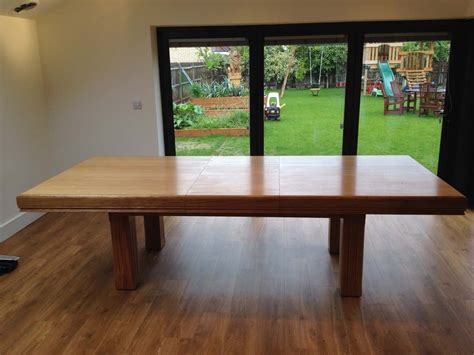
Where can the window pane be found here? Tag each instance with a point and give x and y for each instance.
(403, 91)
(211, 98)
(304, 98)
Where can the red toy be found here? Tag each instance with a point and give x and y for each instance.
(373, 84)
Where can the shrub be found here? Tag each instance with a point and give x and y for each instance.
(184, 115)
(215, 62)
(218, 89)
(197, 90)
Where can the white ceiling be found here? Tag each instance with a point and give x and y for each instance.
(7, 6)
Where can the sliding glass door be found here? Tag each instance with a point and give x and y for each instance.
(323, 89)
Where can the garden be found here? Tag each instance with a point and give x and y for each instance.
(312, 126)
(215, 119)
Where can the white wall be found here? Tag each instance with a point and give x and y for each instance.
(470, 9)
(98, 57)
(23, 120)
(96, 63)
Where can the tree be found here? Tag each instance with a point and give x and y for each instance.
(214, 62)
(334, 59)
(218, 62)
(244, 60)
(275, 63)
(289, 68)
(278, 57)
(441, 49)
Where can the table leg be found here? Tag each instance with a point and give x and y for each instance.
(352, 255)
(334, 235)
(124, 244)
(154, 232)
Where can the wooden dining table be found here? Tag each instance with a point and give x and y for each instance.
(342, 188)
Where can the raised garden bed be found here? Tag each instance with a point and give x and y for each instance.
(203, 132)
(235, 102)
(220, 106)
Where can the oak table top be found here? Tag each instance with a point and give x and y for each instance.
(240, 186)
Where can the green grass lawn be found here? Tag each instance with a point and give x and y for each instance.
(311, 126)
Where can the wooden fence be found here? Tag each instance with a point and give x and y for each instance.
(440, 73)
(184, 74)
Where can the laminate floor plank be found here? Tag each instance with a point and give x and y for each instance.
(240, 286)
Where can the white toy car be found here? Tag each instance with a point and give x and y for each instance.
(272, 107)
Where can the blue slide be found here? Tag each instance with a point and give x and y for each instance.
(387, 77)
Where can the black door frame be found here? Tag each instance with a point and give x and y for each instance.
(354, 32)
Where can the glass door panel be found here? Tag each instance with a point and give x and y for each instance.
(304, 97)
(402, 101)
(210, 85)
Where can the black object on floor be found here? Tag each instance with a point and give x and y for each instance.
(8, 263)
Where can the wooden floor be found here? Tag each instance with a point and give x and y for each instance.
(240, 285)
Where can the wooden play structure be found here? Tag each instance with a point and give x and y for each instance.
(375, 53)
(415, 66)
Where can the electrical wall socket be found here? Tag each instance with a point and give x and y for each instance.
(137, 105)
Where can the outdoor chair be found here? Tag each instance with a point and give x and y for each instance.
(394, 103)
(429, 99)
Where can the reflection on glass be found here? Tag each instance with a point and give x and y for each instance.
(211, 100)
(403, 92)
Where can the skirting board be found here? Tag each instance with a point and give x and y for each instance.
(17, 223)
